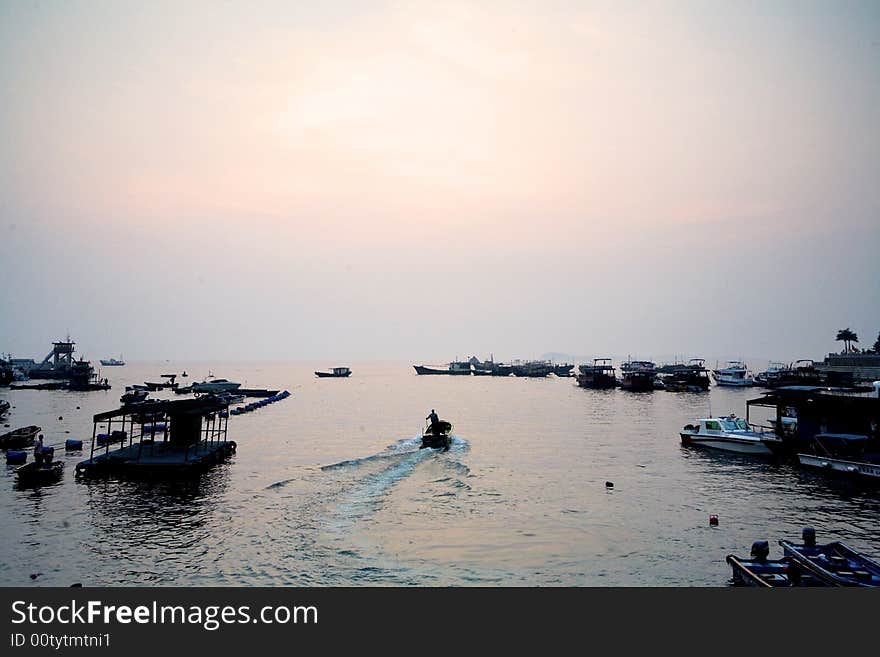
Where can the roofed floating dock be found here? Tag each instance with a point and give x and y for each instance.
(164, 438)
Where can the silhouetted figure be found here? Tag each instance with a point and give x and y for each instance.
(435, 422)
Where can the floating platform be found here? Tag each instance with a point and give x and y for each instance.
(190, 438)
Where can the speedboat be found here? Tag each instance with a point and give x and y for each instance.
(437, 440)
(835, 564)
(730, 434)
(336, 372)
(734, 375)
(215, 385)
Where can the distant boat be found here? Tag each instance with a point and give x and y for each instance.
(638, 375)
(336, 372)
(773, 372)
(215, 385)
(734, 375)
(110, 362)
(693, 377)
(455, 368)
(133, 397)
(599, 375)
(439, 440)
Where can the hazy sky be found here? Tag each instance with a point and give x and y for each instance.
(424, 180)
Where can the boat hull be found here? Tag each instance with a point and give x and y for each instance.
(864, 469)
(330, 375)
(33, 474)
(835, 564)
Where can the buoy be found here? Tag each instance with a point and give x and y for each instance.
(60, 418)
(16, 456)
(609, 484)
(713, 520)
(77, 408)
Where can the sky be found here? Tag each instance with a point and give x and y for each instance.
(421, 180)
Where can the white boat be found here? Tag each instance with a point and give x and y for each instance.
(215, 385)
(774, 371)
(736, 374)
(730, 434)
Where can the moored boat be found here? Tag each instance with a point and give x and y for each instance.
(599, 375)
(22, 437)
(134, 397)
(336, 372)
(563, 369)
(835, 563)
(638, 375)
(690, 377)
(730, 434)
(843, 454)
(735, 375)
(772, 373)
(215, 385)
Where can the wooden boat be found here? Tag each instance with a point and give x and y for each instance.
(439, 440)
(336, 372)
(835, 564)
(23, 437)
(33, 474)
(761, 572)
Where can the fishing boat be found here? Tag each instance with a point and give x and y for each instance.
(23, 437)
(533, 369)
(34, 474)
(112, 362)
(842, 453)
(730, 434)
(638, 375)
(599, 375)
(215, 385)
(454, 368)
(761, 572)
(690, 377)
(439, 440)
(336, 372)
(835, 564)
(735, 375)
(563, 369)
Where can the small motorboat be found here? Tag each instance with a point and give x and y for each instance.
(759, 571)
(133, 397)
(730, 434)
(439, 440)
(34, 474)
(835, 564)
(23, 437)
(336, 372)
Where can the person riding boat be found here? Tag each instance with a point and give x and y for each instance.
(435, 422)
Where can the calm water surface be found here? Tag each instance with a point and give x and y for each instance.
(329, 488)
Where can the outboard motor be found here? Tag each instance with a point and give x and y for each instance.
(809, 536)
(760, 550)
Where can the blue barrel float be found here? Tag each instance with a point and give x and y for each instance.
(16, 456)
(72, 445)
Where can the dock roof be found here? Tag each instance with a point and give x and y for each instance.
(203, 405)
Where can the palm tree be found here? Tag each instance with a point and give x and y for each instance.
(847, 337)
(877, 345)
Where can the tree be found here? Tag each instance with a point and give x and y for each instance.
(846, 336)
(877, 345)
